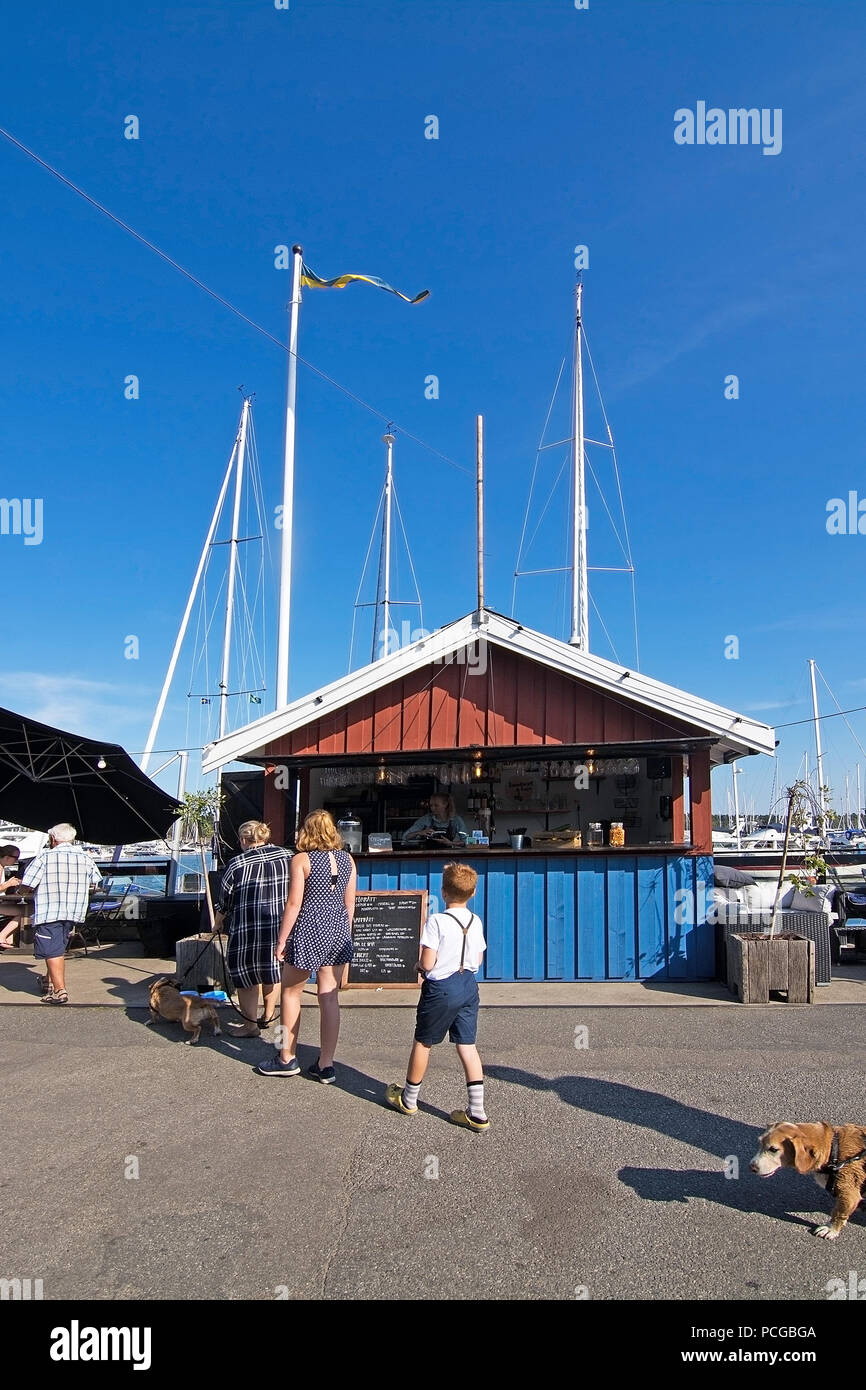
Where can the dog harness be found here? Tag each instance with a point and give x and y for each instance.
(835, 1164)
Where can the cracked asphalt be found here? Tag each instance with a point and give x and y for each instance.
(603, 1171)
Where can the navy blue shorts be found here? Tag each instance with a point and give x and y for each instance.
(448, 1006)
(50, 939)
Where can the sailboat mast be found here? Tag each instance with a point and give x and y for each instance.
(859, 802)
(818, 752)
(285, 601)
(184, 622)
(233, 565)
(382, 632)
(579, 590)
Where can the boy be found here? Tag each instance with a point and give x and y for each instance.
(452, 946)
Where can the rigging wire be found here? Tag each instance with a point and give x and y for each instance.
(532, 485)
(227, 304)
(841, 711)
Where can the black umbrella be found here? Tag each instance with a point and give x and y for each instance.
(48, 776)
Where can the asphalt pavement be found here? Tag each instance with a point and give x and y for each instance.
(134, 1167)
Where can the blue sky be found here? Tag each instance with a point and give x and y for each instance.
(260, 127)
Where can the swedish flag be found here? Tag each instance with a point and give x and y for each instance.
(314, 282)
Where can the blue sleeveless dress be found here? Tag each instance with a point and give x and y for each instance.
(321, 934)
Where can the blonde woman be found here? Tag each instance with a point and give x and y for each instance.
(315, 935)
(252, 896)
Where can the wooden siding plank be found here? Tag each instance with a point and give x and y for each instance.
(561, 916)
(500, 876)
(652, 918)
(591, 919)
(681, 915)
(530, 877)
(704, 957)
(701, 803)
(621, 919)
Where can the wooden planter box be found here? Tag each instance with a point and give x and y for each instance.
(759, 963)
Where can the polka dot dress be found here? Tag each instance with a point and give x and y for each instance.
(321, 934)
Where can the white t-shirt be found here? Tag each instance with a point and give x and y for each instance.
(443, 935)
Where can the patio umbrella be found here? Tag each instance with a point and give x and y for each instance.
(48, 776)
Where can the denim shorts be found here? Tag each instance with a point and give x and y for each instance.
(448, 1006)
(50, 939)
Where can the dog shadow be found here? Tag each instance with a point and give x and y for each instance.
(719, 1135)
(772, 1197)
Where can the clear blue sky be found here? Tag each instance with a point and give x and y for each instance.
(259, 127)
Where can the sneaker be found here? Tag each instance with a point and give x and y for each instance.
(394, 1098)
(326, 1075)
(274, 1066)
(462, 1117)
(57, 996)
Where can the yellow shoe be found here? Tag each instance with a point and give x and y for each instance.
(394, 1098)
(462, 1117)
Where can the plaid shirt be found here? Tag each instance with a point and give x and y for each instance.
(62, 877)
(255, 888)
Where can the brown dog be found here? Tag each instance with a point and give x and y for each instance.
(191, 1011)
(834, 1155)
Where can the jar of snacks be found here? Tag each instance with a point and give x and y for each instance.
(617, 834)
(594, 835)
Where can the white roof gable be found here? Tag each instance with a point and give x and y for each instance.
(738, 733)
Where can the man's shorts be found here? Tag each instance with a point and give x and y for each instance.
(449, 1005)
(50, 939)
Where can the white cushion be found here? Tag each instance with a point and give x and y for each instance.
(819, 900)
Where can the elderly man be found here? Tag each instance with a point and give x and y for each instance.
(60, 878)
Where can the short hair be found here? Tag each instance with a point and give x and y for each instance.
(447, 798)
(459, 881)
(319, 832)
(7, 850)
(64, 833)
(256, 831)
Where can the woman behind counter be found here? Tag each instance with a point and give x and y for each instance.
(440, 825)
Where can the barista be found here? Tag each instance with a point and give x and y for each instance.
(440, 826)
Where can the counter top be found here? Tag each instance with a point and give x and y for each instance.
(543, 851)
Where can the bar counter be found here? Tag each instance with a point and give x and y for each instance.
(557, 913)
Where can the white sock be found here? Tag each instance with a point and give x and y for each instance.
(410, 1095)
(476, 1100)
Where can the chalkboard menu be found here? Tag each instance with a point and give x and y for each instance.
(386, 933)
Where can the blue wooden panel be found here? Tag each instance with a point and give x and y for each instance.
(591, 918)
(681, 915)
(500, 919)
(621, 919)
(530, 918)
(704, 961)
(651, 918)
(479, 905)
(561, 905)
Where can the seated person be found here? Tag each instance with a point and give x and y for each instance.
(440, 826)
(9, 880)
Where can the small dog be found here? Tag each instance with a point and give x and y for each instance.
(834, 1155)
(166, 1001)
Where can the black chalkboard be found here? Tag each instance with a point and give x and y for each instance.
(386, 934)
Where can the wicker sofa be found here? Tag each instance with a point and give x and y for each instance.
(750, 909)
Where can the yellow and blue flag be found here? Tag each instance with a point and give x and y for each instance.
(314, 282)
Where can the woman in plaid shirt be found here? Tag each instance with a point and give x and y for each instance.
(252, 896)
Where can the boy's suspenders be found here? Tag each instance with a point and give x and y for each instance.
(465, 931)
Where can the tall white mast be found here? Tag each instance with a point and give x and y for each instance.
(233, 565)
(579, 590)
(184, 622)
(382, 630)
(735, 773)
(819, 754)
(285, 604)
(388, 440)
(859, 802)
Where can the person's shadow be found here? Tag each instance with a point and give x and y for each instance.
(731, 1141)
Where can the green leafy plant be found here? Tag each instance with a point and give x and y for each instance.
(199, 818)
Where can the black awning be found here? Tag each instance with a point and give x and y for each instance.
(48, 776)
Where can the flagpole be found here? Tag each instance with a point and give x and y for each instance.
(285, 601)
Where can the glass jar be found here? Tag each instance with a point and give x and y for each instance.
(594, 834)
(617, 834)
